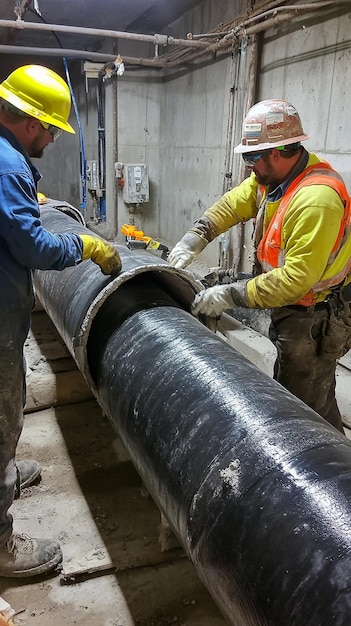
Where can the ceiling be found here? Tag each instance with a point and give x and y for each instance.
(134, 16)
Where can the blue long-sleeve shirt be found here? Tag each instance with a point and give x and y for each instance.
(25, 245)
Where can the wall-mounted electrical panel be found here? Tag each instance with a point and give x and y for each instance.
(92, 175)
(136, 183)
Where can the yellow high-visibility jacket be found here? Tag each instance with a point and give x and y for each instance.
(310, 228)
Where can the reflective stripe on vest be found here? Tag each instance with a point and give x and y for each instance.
(270, 251)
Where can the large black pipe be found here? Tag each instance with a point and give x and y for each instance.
(256, 486)
(73, 297)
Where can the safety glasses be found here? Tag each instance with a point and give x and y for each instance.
(251, 159)
(53, 130)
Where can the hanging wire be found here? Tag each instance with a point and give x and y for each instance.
(83, 162)
(18, 9)
(36, 7)
(101, 149)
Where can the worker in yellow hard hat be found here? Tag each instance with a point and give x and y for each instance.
(40, 93)
(41, 197)
(35, 105)
(303, 252)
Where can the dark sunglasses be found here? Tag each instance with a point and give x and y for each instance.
(251, 159)
(53, 130)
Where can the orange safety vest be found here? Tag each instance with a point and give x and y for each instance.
(270, 252)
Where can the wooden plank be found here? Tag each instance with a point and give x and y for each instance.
(97, 560)
(63, 365)
(44, 391)
(167, 538)
(54, 350)
(120, 556)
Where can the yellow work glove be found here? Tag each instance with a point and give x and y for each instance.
(102, 253)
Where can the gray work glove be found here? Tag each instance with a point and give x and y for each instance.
(186, 250)
(214, 300)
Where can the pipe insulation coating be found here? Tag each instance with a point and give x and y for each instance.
(73, 297)
(255, 485)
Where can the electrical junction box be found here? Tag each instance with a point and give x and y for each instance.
(136, 183)
(92, 175)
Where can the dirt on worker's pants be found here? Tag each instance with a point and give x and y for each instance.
(121, 564)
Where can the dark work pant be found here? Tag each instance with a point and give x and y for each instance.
(308, 343)
(14, 327)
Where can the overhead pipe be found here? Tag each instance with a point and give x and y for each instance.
(227, 41)
(157, 39)
(271, 10)
(99, 57)
(164, 61)
(256, 486)
(294, 8)
(241, 30)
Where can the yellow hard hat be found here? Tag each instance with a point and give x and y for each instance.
(269, 124)
(39, 92)
(42, 199)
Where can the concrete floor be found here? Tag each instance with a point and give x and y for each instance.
(92, 499)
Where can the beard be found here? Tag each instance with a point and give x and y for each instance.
(37, 154)
(36, 150)
(269, 177)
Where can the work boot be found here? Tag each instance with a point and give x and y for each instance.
(29, 470)
(23, 556)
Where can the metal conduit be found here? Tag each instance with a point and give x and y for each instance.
(157, 39)
(101, 57)
(256, 486)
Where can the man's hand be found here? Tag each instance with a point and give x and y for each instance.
(214, 300)
(186, 250)
(102, 253)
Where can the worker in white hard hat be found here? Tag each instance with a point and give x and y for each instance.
(303, 253)
(35, 105)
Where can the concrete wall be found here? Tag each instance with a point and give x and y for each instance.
(177, 122)
(59, 167)
(309, 63)
(139, 109)
(195, 127)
